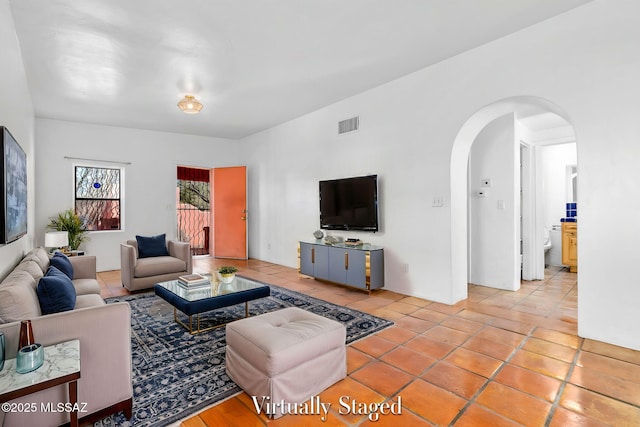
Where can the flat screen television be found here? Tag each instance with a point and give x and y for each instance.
(349, 203)
(14, 184)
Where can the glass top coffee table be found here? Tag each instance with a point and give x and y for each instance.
(192, 301)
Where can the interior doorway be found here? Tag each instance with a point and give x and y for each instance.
(522, 107)
(511, 198)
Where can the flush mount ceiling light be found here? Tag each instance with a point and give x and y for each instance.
(190, 105)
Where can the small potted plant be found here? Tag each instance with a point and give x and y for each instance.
(227, 273)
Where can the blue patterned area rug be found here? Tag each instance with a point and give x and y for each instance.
(176, 374)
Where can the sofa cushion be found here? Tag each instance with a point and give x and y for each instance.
(146, 267)
(152, 246)
(23, 278)
(38, 261)
(91, 300)
(18, 298)
(86, 286)
(40, 255)
(62, 263)
(30, 267)
(56, 292)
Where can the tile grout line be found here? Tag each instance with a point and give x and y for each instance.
(563, 385)
(426, 369)
(599, 393)
(571, 368)
(503, 363)
(491, 379)
(430, 366)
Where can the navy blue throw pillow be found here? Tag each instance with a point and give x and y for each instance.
(56, 292)
(152, 246)
(62, 263)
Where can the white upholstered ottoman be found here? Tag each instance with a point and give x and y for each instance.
(288, 355)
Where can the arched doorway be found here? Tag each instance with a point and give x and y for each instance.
(459, 185)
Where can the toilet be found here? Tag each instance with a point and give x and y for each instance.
(547, 240)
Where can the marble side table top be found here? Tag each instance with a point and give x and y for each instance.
(60, 360)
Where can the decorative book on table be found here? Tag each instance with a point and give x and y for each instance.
(193, 280)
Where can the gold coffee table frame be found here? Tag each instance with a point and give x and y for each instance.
(199, 330)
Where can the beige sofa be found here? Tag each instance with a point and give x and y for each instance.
(142, 273)
(104, 332)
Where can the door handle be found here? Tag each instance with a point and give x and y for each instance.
(313, 255)
(244, 218)
(346, 260)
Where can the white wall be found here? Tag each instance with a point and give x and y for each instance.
(16, 113)
(392, 142)
(149, 181)
(585, 61)
(494, 234)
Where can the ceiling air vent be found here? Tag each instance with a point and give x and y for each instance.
(348, 125)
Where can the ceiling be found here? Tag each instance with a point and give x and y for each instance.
(254, 64)
(542, 120)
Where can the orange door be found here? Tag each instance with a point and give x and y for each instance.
(230, 212)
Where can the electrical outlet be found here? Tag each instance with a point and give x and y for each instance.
(437, 202)
(405, 268)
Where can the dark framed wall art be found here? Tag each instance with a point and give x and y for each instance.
(14, 185)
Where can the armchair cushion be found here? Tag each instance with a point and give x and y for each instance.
(154, 266)
(152, 246)
(62, 263)
(56, 292)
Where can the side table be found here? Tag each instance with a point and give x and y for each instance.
(61, 366)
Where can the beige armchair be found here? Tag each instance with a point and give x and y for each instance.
(142, 273)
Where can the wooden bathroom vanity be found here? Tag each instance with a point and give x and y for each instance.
(570, 245)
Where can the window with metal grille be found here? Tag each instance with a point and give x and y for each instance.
(194, 216)
(97, 197)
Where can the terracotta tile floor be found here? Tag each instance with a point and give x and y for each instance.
(500, 358)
